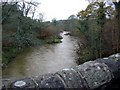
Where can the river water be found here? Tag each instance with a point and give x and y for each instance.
(40, 60)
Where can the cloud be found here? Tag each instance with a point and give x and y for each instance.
(61, 9)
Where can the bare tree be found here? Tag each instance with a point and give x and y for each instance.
(27, 7)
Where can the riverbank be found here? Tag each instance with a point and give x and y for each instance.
(9, 53)
(43, 59)
(86, 48)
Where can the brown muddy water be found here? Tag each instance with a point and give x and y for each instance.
(40, 60)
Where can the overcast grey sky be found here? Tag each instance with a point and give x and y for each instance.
(60, 9)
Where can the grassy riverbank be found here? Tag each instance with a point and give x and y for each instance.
(9, 53)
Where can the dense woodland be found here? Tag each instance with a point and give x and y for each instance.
(97, 27)
(100, 29)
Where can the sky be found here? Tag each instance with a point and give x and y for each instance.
(60, 9)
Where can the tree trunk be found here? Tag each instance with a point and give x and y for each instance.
(117, 7)
(100, 42)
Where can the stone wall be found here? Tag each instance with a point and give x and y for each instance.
(99, 73)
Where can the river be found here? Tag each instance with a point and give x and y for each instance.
(40, 60)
